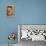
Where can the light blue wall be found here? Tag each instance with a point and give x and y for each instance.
(31, 11)
(7, 24)
(27, 12)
